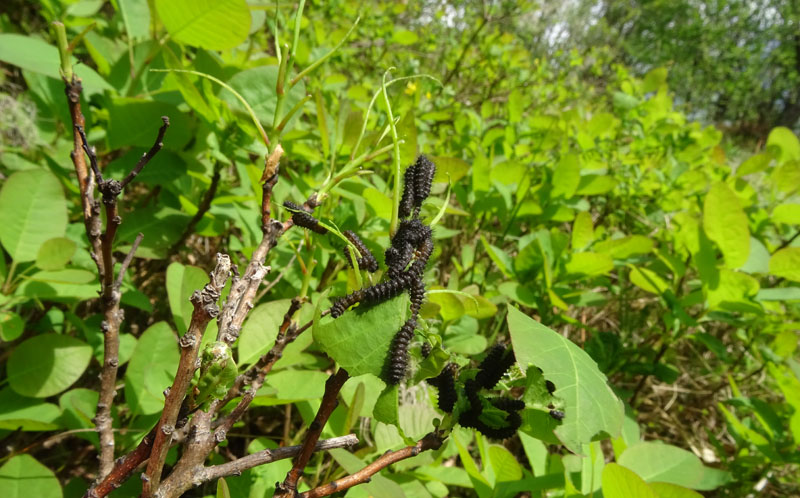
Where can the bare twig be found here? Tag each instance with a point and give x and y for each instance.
(430, 442)
(202, 209)
(288, 489)
(205, 308)
(127, 261)
(147, 156)
(236, 467)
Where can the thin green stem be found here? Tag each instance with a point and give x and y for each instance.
(292, 112)
(279, 88)
(63, 50)
(396, 143)
(325, 57)
(227, 87)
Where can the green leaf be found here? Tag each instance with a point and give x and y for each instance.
(503, 261)
(733, 291)
(40, 57)
(24, 477)
(648, 280)
(582, 230)
(786, 142)
(504, 464)
(32, 211)
(359, 341)
(786, 177)
(55, 253)
(595, 185)
(260, 330)
(386, 407)
(211, 24)
(588, 264)
(136, 122)
(786, 264)
(258, 86)
(11, 326)
(788, 214)
(625, 247)
(449, 169)
(620, 482)
(47, 364)
(222, 489)
(590, 405)
(754, 164)
(567, 176)
(182, 282)
(404, 37)
(658, 462)
(79, 406)
(151, 369)
(66, 284)
(667, 490)
(725, 223)
(27, 414)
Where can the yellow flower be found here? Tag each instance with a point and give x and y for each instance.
(411, 88)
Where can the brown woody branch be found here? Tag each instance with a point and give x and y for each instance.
(288, 488)
(430, 442)
(102, 247)
(238, 466)
(205, 308)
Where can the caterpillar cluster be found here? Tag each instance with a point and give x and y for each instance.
(303, 218)
(491, 369)
(408, 254)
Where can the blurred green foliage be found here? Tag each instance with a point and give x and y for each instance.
(572, 191)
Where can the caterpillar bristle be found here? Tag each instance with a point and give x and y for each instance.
(494, 366)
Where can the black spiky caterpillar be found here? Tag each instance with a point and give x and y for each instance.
(494, 365)
(367, 261)
(398, 352)
(445, 383)
(417, 182)
(304, 219)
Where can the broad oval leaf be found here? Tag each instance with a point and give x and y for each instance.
(788, 214)
(658, 462)
(786, 264)
(590, 405)
(182, 281)
(32, 211)
(38, 56)
(786, 141)
(23, 477)
(589, 264)
(27, 414)
(259, 330)
(151, 369)
(211, 24)
(47, 364)
(620, 482)
(567, 176)
(359, 341)
(725, 223)
(257, 87)
(648, 280)
(55, 253)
